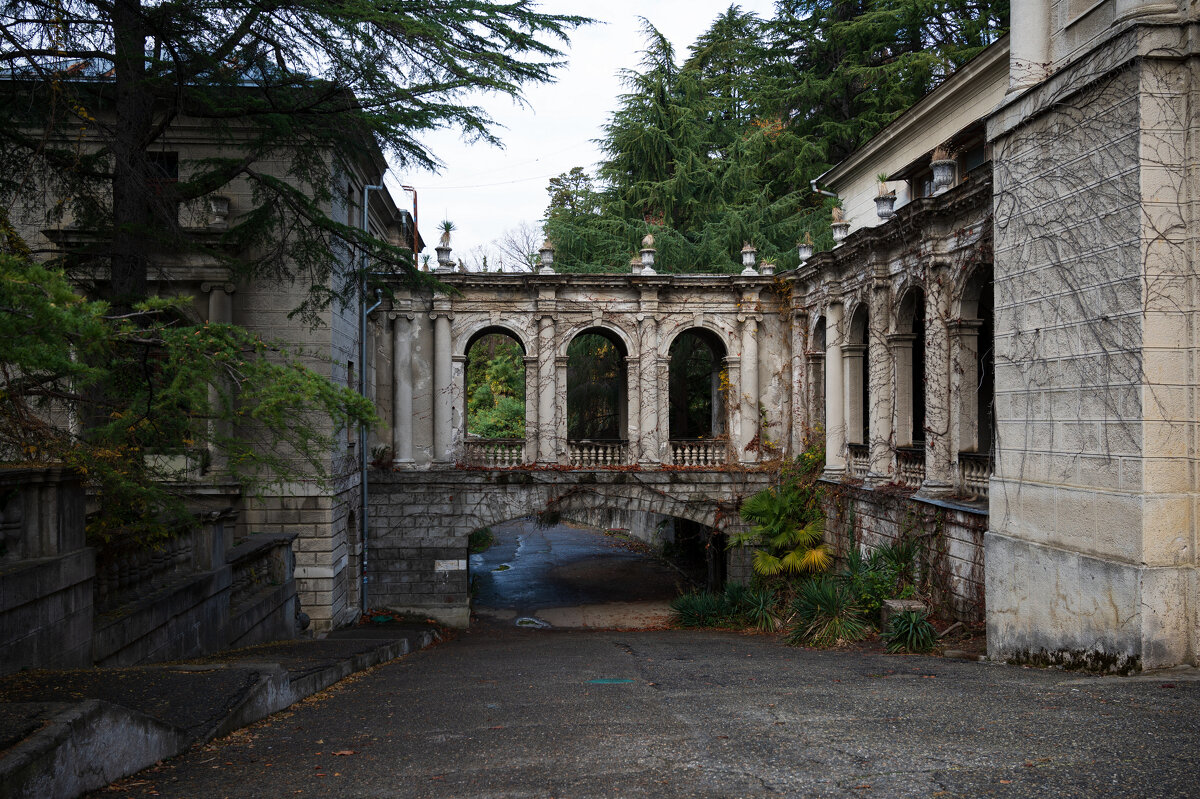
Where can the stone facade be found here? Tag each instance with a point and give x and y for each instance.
(1091, 554)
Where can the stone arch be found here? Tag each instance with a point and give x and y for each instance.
(707, 420)
(908, 358)
(482, 327)
(628, 341)
(724, 333)
(857, 368)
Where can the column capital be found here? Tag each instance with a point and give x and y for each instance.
(441, 313)
(900, 339)
(397, 315)
(853, 350)
(208, 287)
(965, 327)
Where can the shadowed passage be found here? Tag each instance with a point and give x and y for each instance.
(569, 575)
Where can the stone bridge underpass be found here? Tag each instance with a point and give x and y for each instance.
(668, 448)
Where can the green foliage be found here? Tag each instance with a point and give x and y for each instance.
(496, 388)
(480, 540)
(719, 149)
(887, 573)
(595, 376)
(737, 607)
(824, 614)
(910, 631)
(787, 527)
(135, 401)
(324, 86)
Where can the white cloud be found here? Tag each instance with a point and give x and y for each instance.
(485, 190)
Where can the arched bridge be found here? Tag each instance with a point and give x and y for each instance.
(684, 390)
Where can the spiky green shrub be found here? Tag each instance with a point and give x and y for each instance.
(758, 609)
(702, 609)
(824, 613)
(910, 631)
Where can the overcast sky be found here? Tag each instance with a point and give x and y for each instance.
(485, 190)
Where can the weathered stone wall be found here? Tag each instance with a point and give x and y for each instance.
(950, 537)
(1091, 555)
(420, 521)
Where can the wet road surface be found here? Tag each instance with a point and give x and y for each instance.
(507, 712)
(569, 576)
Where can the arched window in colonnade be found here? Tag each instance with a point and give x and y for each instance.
(854, 354)
(495, 392)
(816, 376)
(696, 400)
(975, 369)
(597, 399)
(908, 356)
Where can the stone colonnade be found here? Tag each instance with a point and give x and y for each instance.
(738, 317)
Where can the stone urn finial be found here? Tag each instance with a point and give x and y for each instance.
(547, 256)
(648, 253)
(749, 259)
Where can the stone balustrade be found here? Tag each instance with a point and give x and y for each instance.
(127, 576)
(495, 453)
(597, 453)
(860, 460)
(974, 474)
(910, 466)
(711, 452)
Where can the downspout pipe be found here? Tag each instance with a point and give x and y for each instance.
(363, 313)
(813, 184)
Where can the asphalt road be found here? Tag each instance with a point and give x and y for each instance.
(506, 712)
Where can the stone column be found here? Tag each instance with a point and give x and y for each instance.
(938, 457)
(854, 413)
(800, 386)
(733, 408)
(442, 388)
(748, 389)
(964, 375)
(546, 393)
(458, 408)
(402, 390)
(880, 377)
(220, 311)
(532, 400)
(648, 430)
(562, 443)
(633, 420)
(835, 423)
(1029, 44)
(663, 412)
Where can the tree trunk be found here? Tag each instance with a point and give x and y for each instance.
(131, 186)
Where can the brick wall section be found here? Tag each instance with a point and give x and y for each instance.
(950, 561)
(420, 521)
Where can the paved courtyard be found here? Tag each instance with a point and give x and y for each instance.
(506, 712)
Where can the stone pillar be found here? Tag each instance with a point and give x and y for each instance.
(964, 376)
(733, 408)
(458, 408)
(220, 312)
(546, 393)
(835, 424)
(402, 390)
(648, 428)
(800, 385)
(532, 400)
(1029, 44)
(442, 389)
(633, 419)
(938, 458)
(663, 413)
(882, 387)
(748, 389)
(562, 444)
(854, 413)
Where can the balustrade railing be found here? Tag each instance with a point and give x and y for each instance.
(127, 576)
(860, 460)
(910, 466)
(596, 453)
(495, 452)
(708, 452)
(974, 471)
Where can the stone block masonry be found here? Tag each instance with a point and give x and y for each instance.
(420, 521)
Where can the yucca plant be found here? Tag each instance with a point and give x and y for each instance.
(758, 609)
(824, 613)
(787, 528)
(910, 631)
(701, 609)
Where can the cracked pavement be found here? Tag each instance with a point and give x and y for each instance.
(506, 712)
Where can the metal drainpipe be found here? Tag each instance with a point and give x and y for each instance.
(363, 313)
(813, 185)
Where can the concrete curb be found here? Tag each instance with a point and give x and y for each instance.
(92, 743)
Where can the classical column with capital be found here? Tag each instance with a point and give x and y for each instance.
(443, 392)
(546, 394)
(938, 457)
(879, 375)
(748, 390)
(647, 390)
(220, 312)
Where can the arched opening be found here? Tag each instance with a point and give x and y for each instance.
(908, 359)
(854, 353)
(975, 369)
(816, 376)
(696, 403)
(597, 407)
(495, 392)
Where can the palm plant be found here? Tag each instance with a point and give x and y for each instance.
(824, 613)
(787, 531)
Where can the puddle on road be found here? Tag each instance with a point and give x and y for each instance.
(503, 567)
(609, 681)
